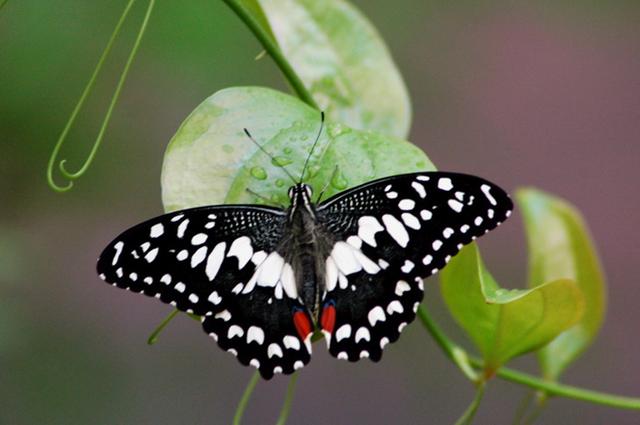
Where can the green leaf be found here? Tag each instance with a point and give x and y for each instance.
(506, 323)
(560, 247)
(211, 161)
(342, 60)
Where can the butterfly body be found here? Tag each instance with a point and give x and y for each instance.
(263, 279)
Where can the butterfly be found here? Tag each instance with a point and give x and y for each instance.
(264, 279)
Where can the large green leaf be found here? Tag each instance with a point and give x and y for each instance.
(342, 60)
(211, 161)
(506, 323)
(560, 247)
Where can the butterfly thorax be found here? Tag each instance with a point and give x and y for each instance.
(308, 247)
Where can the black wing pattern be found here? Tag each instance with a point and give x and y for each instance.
(221, 263)
(390, 234)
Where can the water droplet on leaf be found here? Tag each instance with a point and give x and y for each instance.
(258, 173)
(339, 181)
(281, 161)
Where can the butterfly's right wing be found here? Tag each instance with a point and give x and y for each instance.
(220, 263)
(390, 234)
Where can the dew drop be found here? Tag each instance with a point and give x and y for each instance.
(281, 161)
(339, 181)
(227, 148)
(288, 150)
(279, 182)
(258, 173)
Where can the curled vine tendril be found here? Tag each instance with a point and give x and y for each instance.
(87, 90)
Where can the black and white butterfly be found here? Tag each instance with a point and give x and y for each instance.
(264, 279)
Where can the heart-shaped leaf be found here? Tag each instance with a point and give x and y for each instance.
(342, 60)
(506, 323)
(560, 247)
(210, 160)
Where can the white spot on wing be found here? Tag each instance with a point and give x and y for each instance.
(363, 333)
(288, 281)
(394, 307)
(214, 298)
(368, 226)
(215, 260)
(418, 187)
(242, 250)
(406, 204)
(342, 254)
(270, 270)
(445, 184)
(402, 287)
(291, 342)
(151, 255)
(182, 227)
(407, 266)
(118, 247)
(224, 315)
(156, 230)
(376, 314)
(274, 350)
(455, 205)
(255, 334)
(199, 239)
(396, 229)
(199, 256)
(486, 189)
(343, 332)
(410, 220)
(234, 330)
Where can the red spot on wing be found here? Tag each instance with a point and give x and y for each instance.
(328, 319)
(302, 324)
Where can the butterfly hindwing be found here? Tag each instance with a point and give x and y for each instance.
(220, 263)
(390, 234)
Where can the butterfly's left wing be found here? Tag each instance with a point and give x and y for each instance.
(389, 234)
(221, 263)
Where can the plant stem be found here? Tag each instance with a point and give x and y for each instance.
(523, 407)
(274, 51)
(450, 349)
(470, 413)
(553, 388)
(286, 407)
(153, 338)
(242, 405)
(454, 352)
(2, 3)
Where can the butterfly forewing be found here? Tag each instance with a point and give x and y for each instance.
(390, 234)
(221, 263)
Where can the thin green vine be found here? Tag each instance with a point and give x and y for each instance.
(470, 412)
(274, 51)
(242, 405)
(551, 388)
(87, 90)
(153, 338)
(286, 407)
(2, 3)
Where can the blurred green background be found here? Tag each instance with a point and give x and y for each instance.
(523, 93)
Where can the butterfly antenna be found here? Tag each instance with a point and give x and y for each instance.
(313, 146)
(273, 159)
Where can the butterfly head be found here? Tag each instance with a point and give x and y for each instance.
(300, 197)
(300, 194)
